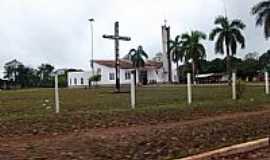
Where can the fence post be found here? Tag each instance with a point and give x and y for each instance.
(234, 86)
(189, 91)
(266, 82)
(57, 106)
(132, 91)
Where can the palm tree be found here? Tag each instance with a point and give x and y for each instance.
(194, 50)
(138, 58)
(177, 53)
(262, 10)
(228, 33)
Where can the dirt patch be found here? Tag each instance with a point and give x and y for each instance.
(160, 141)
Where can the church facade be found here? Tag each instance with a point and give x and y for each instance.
(151, 73)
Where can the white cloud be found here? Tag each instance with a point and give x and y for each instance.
(57, 31)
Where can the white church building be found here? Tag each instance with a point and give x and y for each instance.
(151, 73)
(154, 71)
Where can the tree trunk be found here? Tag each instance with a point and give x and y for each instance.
(177, 71)
(138, 75)
(135, 76)
(229, 67)
(194, 72)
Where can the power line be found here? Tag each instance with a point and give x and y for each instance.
(225, 8)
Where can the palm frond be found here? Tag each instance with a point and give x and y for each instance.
(261, 16)
(239, 37)
(260, 6)
(219, 46)
(238, 24)
(200, 35)
(221, 20)
(132, 51)
(144, 54)
(214, 33)
(267, 27)
(233, 46)
(185, 37)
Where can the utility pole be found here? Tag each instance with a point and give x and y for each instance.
(116, 37)
(92, 45)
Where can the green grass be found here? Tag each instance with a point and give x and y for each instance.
(23, 111)
(23, 103)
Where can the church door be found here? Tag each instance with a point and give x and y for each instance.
(143, 77)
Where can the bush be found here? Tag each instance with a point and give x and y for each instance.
(240, 88)
(95, 78)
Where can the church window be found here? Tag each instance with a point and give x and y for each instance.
(75, 81)
(127, 75)
(82, 81)
(111, 76)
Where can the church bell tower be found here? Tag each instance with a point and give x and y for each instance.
(166, 56)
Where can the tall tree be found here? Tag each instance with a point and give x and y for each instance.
(44, 72)
(193, 48)
(138, 58)
(264, 61)
(262, 11)
(26, 76)
(228, 33)
(177, 53)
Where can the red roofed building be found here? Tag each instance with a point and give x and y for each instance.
(152, 72)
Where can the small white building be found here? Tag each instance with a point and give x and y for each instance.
(78, 79)
(151, 73)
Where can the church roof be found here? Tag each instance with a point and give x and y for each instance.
(126, 64)
(13, 63)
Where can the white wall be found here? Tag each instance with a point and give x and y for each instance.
(105, 71)
(78, 75)
(156, 75)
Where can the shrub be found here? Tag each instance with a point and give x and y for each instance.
(240, 88)
(95, 78)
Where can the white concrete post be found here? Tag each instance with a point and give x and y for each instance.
(266, 83)
(132, 91)
(234, 86)
(57, 107)
(189, 91)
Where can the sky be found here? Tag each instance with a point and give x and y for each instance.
(58, 31)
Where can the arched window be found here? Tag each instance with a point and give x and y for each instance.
(82, 81)
(75, 81)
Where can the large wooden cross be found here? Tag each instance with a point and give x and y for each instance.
(116, 37)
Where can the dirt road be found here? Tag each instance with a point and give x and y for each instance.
(162, 141)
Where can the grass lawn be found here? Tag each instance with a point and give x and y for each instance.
(98, 124)
(88, 108)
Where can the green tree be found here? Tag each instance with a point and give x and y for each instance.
(262, 11)
(9, 72)
(193, 48)
(228, 33)
(26, 77)
(215, 66)
(264, 61)
(45, 71)
(138, 58)
(249, 67)
(177, 53)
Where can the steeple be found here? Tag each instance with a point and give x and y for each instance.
(167, 59)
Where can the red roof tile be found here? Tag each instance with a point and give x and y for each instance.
(126, 64)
